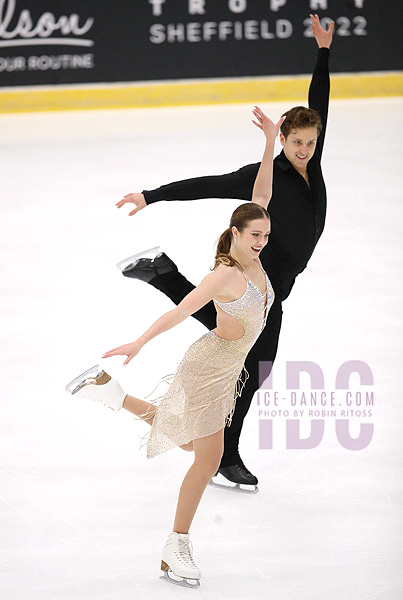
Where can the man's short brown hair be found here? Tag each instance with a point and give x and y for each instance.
(300, 117)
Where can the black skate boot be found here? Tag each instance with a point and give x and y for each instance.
(145, 269)
(238, 474)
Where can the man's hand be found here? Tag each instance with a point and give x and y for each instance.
(137, 199)
(323, 38)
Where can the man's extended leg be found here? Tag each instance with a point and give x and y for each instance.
(265, 349)
(162, 273)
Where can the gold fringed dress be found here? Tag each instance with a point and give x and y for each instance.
(202, 394)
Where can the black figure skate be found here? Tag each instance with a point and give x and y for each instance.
(146, 265)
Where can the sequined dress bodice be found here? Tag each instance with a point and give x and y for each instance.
(251, 309)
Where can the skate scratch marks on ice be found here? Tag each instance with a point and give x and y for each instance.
(54, 545)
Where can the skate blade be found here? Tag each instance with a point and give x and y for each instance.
(181, 582)
(78, 382)
(129, 261)
(235, 487)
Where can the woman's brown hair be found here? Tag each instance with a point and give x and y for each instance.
(241, 217)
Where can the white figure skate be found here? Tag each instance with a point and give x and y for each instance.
(96, 384)
(177, 559)
(131, 260)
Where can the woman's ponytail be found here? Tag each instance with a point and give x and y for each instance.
(222, 256)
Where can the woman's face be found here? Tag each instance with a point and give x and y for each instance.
(253, 238)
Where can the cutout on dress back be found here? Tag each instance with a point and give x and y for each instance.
(230, 317)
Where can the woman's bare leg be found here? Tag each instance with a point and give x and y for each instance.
(188, 447)
(141, 407)
(208, 452)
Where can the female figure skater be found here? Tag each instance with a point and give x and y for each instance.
(200, 400)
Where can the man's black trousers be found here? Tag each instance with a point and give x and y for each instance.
(176, 287)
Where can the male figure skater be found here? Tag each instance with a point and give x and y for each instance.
(297, 209)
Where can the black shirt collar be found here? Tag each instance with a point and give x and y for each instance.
(283, 162)
(285, 165)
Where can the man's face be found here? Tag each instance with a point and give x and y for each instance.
(299, 146)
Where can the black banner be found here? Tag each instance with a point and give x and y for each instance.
(47, 42)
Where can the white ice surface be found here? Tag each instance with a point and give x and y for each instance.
(83, 513)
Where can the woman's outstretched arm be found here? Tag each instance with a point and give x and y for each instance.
(262, 190)
(212, 285)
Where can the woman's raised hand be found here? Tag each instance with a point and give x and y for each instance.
(269, 128)
(129, 350)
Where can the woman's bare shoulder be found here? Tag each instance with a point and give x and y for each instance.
(229, 280)
(227, 273)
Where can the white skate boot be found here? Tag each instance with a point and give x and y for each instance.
(132, 260)
(177, 559)
(96, 384)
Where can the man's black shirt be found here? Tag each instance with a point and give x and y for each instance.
(297, 211)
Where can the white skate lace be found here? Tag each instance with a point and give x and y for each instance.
(185, 551)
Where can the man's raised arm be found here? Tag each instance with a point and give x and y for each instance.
(319, 89)
(238, 185)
